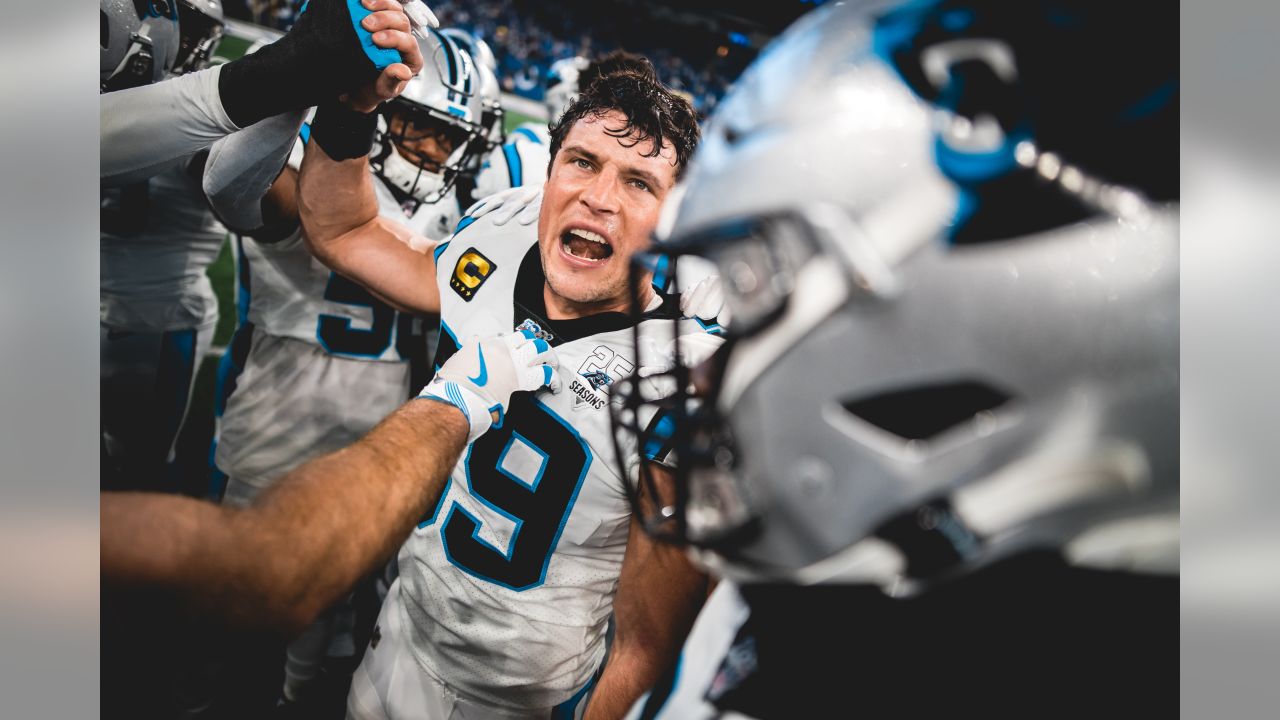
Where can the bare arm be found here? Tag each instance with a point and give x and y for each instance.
(307, 540)
(344, 231)
(659, 595)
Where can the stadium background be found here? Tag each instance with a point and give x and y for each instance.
(699, 47)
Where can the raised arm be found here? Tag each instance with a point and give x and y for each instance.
(343, 227)
(335, 49)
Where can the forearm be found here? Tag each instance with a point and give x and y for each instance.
(339, 517)
(659, 595)
(624, 681)
(335, 198)
(145, 129)
(305, 542)
(339, 213)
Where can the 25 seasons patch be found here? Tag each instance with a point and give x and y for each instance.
(469, 274)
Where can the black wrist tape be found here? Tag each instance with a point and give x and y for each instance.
(343, 133)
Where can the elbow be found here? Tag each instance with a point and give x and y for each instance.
(288, 603)
(290, 617)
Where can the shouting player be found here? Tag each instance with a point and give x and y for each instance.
(508, 582)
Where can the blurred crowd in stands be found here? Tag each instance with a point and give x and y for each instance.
(527, 36)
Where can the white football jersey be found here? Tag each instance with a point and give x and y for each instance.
(522, 160)
(508, 584)
(295, 295)
(327, 362)
(153, 280)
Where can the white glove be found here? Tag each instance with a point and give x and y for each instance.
(522, 203)
(420, 17)
(695, 347)
(704, 302)
(480, 378)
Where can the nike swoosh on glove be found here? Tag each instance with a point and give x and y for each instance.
(325, 54)
(522, 203)
(705, 304)
(481, 377)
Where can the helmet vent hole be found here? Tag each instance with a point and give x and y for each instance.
(104, 31)
(923, 412)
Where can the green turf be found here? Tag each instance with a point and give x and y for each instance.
(222, 275)
(232, 47)
(513, 118)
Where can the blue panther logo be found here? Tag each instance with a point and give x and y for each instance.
(597, 378)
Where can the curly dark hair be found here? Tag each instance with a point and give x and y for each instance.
(653, 112)
(615, 62)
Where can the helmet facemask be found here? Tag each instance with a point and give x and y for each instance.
(674, 415)
(423, 151)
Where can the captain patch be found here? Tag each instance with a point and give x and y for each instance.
(469, 274)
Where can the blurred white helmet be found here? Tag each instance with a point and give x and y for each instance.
(562, 85)
(138, 42)
(433, 132)
(952, 340)
(494, 116)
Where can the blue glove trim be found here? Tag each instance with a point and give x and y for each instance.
(380, 57)
(455, 396)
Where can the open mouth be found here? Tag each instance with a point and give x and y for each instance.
(586, 245)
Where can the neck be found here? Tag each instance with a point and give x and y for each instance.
(562, 308)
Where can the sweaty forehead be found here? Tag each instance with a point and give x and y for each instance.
(598, 133)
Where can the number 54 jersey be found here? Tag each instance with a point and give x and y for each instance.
(508, 583)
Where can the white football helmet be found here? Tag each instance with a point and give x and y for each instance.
(487, 66)
(952, 341)
(138, 42)
(474, 45)
(440, 113)
(562, 85)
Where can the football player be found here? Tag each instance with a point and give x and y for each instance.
(323, 357)
(158, 310)
(507, 584)
(939, 444)
(362, 51)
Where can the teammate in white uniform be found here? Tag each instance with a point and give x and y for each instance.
(507, 585)
(521, 161)
(327, 359)
(158, 310)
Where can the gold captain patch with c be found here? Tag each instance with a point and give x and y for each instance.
(469, 274)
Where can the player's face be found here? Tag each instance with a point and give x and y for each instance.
(425, 142)
(600, 205)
